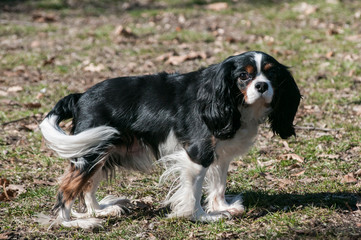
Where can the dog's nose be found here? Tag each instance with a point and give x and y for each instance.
(261, 87)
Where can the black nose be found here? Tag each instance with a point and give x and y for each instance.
(261, 87)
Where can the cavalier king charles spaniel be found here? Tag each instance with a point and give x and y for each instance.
(194, 123)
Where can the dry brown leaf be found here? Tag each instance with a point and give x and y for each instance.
(45, 183)
(32, 105)
(305, 8)
(30, 127)
(298, 173)
(329, 156)
(349, 178)
(353, 38)
(282, 183)
(357, 109)
(217, 6)
(49, 61)
(330, 54)
(164, 57)
(358, 173)
(267, 163)
(124, 31)
(287, 147)
(17, 187)
(15, 89)
(4, 236)
(94, 68)
(176, 60)
(43, 17)
(292, 156)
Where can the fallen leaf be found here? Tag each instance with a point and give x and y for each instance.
(292, 156)
(298, 173)
(353, 38)
(49, 61)
(176, 60)
(18, 188)
(217, 6)
(94, 68)
(4, 236)
(164, 56)
(329, 156)
(358, 173)
(349, 178)
(45, 183)
(4, 182)
(124, 31)
(282, 183)
(15, 89)
(287, 148)
(43, 17)
(32, 105)
(330, 54)
(305, 8)
(357, 109)
(3, 93)
(31, 127)
(267, 163)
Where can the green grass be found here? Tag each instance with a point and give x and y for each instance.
(282, 202)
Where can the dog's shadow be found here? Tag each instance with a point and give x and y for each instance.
(261, 203)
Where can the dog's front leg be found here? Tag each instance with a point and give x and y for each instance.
(185, 196)
(216, 180)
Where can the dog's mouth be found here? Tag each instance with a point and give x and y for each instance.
(261, 101)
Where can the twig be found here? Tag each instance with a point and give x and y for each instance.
(318, 129)
(6, 194)
(17, 120)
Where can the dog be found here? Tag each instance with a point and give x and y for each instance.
(195, 123)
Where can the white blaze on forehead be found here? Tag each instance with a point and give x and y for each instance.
(258, 60)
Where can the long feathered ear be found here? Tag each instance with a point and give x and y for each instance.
(217, 100)
(284, 104)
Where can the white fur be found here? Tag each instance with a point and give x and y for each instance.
(258, 59)
(78, 223)
(253, 94)
(226, 151)
(74, 146)
(184, 196)
(170, 145)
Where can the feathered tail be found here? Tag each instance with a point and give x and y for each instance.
(72, 146)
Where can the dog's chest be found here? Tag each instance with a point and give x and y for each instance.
(239, 144)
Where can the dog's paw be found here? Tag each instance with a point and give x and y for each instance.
(229, 203)
(212, 217)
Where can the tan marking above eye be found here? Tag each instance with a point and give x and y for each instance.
(249, 69)
(267, 66)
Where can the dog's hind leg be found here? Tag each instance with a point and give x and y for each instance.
(74, 181)
(109, 206)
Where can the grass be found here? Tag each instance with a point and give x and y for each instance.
(285, 198)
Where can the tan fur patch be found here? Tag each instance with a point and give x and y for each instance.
(268, 66)
(249, 69)
(75, 182)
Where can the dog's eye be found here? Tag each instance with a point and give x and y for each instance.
(244, 76)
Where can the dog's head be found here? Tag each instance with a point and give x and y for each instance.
(247, 80)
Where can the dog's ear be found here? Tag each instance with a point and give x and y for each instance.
(284, 104)
(217, 100)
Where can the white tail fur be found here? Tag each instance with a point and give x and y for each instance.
(74, 146)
